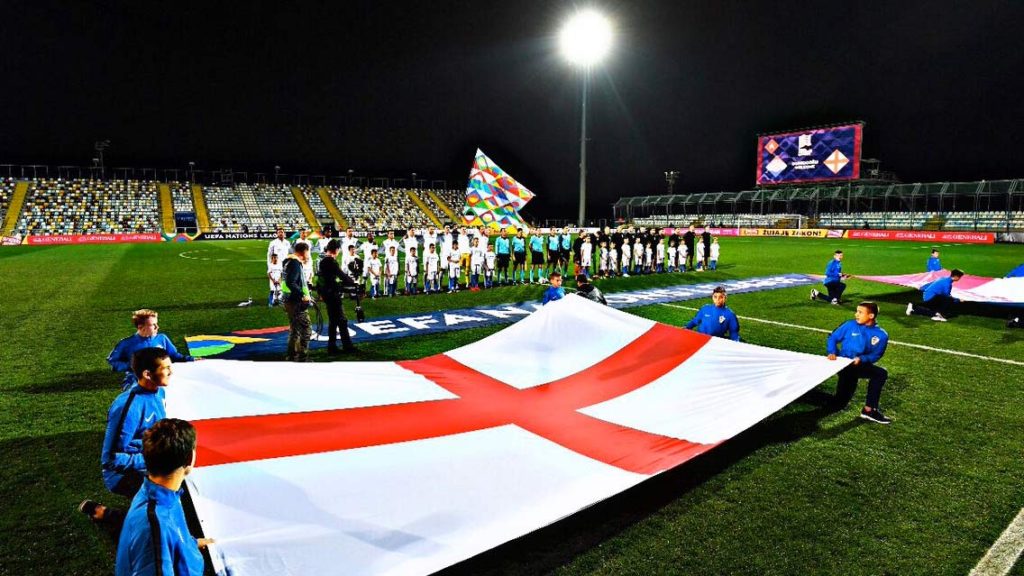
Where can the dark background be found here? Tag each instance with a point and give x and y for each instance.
(388, 88)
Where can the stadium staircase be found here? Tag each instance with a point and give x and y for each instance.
(167, 209)
(423, 206)
(202, 214)
(14, 208)
(443, 206)
(307, 210)
(332, 208)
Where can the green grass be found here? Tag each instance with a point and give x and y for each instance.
(802, 492)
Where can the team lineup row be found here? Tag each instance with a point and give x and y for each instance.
(470, 255)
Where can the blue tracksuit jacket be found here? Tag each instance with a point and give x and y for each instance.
(120, 358)
(122, 447)
(852, 340)
(715, 321)
(156, 508)
(940, 287)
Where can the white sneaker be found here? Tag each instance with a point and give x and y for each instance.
(835, 302)
(910, 308)
(814, 294)
(938, 318)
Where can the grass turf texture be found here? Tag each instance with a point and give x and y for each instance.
(803, 492)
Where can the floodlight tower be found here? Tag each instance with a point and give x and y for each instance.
(671, 176)
(585, 40)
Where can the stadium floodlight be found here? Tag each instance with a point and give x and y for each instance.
(585, 40)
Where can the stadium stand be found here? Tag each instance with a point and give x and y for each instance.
(452, 203)
(883, 220)
(724, 220)
(378, 208)
(181, 192)
(320, 210)
(252, 208)
(957, 221)
(56, 206)
(81, 206)
(6, 191)
(987, 220)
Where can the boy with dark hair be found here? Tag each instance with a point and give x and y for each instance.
(555, 291)
(833, 281)
(716, 319)
(933, 261)
(863, 340)
(938, 294)
(155, 538)
(129, 416)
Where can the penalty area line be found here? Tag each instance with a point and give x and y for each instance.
(1001, 557)
(891, 342)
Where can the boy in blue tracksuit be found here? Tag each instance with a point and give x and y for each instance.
(555, 291)
(833, 282)
(146, 336)
(155, 538)
(132, 413)
(938, 295)
(863, 341)
(716, 319)
(933, 262)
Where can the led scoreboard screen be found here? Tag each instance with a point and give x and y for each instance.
(810, 155)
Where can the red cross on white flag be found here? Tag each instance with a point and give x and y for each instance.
(410, 467)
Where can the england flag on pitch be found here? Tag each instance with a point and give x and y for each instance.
(410, 467)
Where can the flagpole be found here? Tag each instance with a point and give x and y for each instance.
(583, 149)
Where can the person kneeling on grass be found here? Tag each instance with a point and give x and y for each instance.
(155, 539)
(131, 414)
(833, 282)
(864, 341)
(938, 294)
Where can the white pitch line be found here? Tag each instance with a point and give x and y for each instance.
(1001, 557)
(907, 344)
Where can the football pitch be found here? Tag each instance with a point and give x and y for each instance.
(804, 492)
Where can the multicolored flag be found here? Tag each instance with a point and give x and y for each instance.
(410, 467)
(493, 198)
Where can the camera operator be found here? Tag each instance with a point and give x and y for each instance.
(330, 283)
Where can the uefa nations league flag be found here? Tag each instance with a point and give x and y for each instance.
(410, 467)
(493, 197)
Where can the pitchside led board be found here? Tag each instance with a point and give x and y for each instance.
(814, 155)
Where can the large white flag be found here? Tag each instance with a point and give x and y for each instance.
(410, 467)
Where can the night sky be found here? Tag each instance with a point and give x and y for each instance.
(389, 88)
